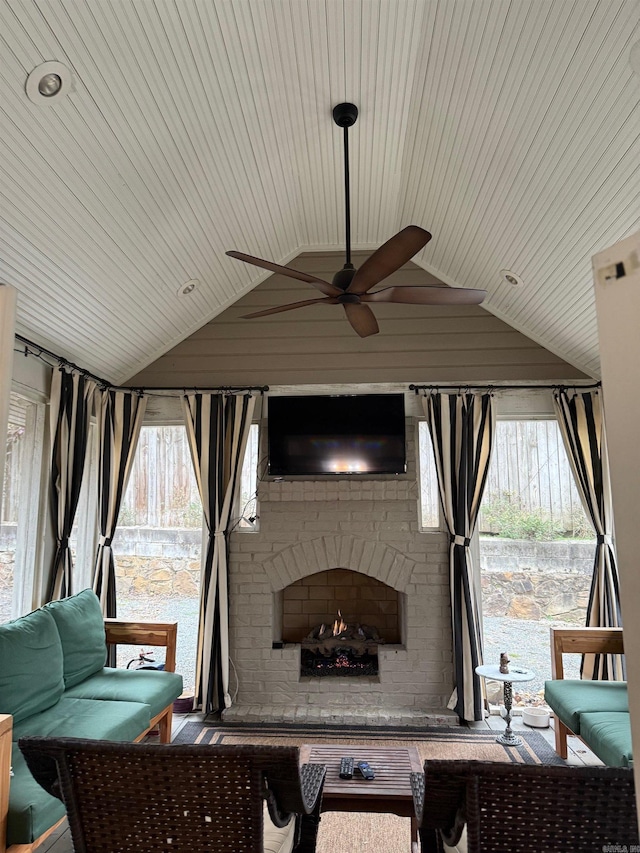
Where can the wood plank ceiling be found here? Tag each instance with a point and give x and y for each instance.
(510, 130)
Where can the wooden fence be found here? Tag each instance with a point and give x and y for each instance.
(162, 490)
(529, 473)
(530, 487)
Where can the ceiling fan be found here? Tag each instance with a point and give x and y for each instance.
(351, 287)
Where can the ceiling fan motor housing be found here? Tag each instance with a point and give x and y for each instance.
(345, 115)
(344, 277)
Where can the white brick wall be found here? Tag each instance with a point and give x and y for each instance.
(365, 525)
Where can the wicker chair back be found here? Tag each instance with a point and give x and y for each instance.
(528, 808)
(152, 798)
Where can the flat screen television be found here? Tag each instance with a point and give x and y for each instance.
(345, 434)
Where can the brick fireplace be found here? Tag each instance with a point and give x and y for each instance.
(316, 536)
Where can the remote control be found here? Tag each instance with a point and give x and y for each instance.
(366, 770)
(346, 768)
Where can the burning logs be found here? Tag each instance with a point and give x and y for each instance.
(326, 639)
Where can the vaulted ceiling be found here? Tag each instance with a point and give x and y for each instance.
(509, 130)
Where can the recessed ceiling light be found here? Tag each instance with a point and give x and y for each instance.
(511, 278)
(48, 83)
(188, 287)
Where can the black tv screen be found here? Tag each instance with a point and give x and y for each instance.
(355, 434)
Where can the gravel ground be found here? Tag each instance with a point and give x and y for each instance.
(184, 611)
(527, 643)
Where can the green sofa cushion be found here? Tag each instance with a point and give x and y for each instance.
(87, 718)
(608, 735)
(81, 627)
(31, 810)
(156, 689)
(31, 665)
(570, 698)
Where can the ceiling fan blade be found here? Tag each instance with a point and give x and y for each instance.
(389, 257)
(328, 299)
(427, 295)
(326, 287)
(361, 319)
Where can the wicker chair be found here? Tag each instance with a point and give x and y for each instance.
(528, 808)
(192, 798)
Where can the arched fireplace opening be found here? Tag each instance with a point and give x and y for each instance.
(340, 617)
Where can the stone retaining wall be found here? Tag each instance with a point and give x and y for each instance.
(524, 579)
(536, 595)
(158, 562)
(153, 576)
(520, 579)
(562, 556)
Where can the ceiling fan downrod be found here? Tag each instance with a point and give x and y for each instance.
(353, 289)
(345, 116)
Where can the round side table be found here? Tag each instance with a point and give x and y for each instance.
(492, 672)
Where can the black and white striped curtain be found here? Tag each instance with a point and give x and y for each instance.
(217, 429)
(462, 428)
(120, 418)
(69, 418)
(581, 418)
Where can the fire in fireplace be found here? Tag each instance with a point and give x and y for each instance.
(340, 650)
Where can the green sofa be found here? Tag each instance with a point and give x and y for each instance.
(596, 711)
(53, 682)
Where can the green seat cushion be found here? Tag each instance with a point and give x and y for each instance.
(570, 698)
(154, 688)
(31, 665)
(31, 810)
(608, 735)
(87, 718)
(81, 627)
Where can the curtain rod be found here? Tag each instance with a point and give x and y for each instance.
(261, 388)
(61, 361)
(103, 382)
(470, 386)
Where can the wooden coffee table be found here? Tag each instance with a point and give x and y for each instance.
(389, 792)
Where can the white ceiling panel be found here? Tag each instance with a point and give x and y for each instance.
(509, 130)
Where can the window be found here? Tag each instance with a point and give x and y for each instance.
(247, 512)
(536, 547)
(158, 543)
(429, 495)
(22, 505)
(10, 506)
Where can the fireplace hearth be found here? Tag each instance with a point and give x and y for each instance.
(340, 650)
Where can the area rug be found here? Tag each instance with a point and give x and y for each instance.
(356, 832)
(456, 742)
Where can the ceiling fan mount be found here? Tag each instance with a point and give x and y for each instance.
(350, 287)
(345, 115)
